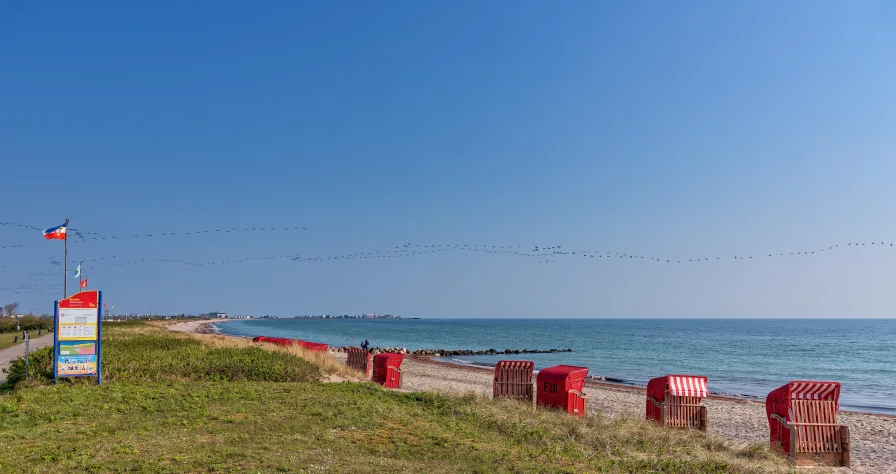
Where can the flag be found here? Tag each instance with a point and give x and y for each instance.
(84, 283)
(57, 233)
(78, 271)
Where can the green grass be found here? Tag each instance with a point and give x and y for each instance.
(174, 416)
(146, 353)
(7, 339)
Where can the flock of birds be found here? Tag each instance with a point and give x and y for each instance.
(77, 235)
(540, 254)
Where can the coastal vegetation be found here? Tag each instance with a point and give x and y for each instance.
(10, 327)
(179, 403)
(29, 322)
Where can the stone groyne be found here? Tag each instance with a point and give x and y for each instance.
(456, 352)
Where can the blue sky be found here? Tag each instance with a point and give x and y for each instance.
(679, 131)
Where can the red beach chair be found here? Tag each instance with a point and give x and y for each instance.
(314, 346)
(513, 379)
(561, 387)
(280, 341)
(387, 369)
(802, 420)
(674, 400)
(358, 359)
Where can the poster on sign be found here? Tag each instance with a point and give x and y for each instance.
(76, 358)
(78, 341)
(78, 317)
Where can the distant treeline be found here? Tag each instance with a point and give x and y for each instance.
(26, 323)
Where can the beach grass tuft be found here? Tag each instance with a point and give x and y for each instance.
(321, 359)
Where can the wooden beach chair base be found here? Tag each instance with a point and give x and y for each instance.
(681, 412)
(392, 378)
(816, 438)
(513, 379)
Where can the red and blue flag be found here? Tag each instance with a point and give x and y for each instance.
(57, 233)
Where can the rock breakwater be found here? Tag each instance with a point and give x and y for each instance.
(458, 352)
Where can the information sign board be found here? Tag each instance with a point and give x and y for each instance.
(78, 332)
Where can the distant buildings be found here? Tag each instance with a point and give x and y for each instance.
(349, 316)
(222, 315)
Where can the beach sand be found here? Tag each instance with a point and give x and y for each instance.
(873, 436)
(196, 327)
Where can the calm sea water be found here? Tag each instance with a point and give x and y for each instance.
(748, 357)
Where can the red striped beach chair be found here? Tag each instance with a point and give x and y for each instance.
(802, 420)
(513, 379)
(358, 359)
(387, 369)
(675, 400)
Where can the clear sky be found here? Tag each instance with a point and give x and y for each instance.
(677, 130)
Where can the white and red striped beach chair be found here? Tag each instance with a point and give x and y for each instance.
(513, 379)
(802, 420)
(675, 400)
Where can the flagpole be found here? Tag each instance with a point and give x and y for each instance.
(80, 275)
(65, 265)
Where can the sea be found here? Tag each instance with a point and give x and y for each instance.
(744, 358)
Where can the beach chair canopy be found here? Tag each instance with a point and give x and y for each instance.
(677, 386)
(570, 377)
(314, 346)
(514, 365)
(273, 340)
(779, 401)
(282, 341)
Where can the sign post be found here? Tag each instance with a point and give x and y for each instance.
(27, 367)
(77, 339)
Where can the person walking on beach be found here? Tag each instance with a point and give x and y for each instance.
(365, 345)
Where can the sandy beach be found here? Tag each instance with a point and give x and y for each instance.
(873, 436)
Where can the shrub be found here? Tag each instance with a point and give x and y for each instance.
(26, 323)
(40, 368)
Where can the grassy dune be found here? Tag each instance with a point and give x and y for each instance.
(176, 403)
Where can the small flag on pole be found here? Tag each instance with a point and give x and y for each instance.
(78, 271)
(55, 233)
(84, 283)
